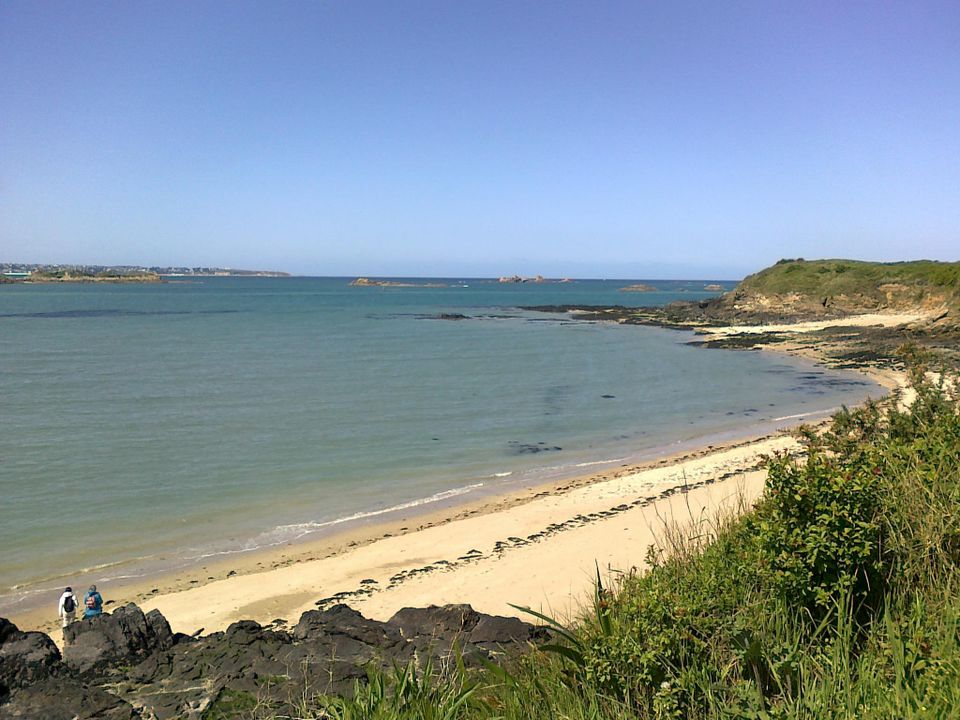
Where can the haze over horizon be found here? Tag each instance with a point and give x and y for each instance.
(628, 140)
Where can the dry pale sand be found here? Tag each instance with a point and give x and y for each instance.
(867, 320)
(538, 549)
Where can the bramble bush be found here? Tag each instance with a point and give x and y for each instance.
(820, 528)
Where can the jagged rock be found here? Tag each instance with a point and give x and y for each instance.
(66, 699)
(344, 620)
(244, 632)
(124, 636)
(439, 629)
(163, 636)
(440, 632)
(435, 621)
(25, 657)
(133, 664)
(494, 632)
(246, 662)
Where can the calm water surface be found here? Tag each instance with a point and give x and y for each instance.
(159, 423)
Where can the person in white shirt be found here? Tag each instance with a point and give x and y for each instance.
(67, 607)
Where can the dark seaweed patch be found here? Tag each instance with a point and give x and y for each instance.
(518, 448)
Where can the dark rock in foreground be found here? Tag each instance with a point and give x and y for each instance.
(25, 658)
(128, 665)
(122, 636)
(67, 699)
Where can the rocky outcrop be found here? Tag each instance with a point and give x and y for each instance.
(129, 665)
(520, 279)
(367, 282)
(799, 290)
(25, 658)
(442, 629)
(125, 635)
(64, 698)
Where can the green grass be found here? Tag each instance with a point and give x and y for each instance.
(825, 278)
(231, 704)
(837, 596)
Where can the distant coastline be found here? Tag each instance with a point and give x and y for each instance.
(62, 273)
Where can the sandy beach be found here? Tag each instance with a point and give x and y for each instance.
(539, 548)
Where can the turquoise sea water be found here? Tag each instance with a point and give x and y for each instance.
(151, 424)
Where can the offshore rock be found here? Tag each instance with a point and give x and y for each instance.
(638, 287)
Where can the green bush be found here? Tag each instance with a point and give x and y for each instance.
(820, 529)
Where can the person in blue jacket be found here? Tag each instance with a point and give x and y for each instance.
(92, 603)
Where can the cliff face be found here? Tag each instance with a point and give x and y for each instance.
(802, 289)
(852, 286)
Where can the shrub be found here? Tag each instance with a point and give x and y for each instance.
(820, 529)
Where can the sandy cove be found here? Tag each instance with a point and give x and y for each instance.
(538, 549)
(541, 553)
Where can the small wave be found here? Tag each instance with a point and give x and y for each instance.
(599, 462)
(829, 411)
(502, 474)
(286, 533)
(128, 576)
(22, 592)
(591, 463)
(61, 575)
(104, 566)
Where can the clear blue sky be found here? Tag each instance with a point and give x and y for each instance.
(593, 139)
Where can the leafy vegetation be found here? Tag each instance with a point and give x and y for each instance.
(838, 596)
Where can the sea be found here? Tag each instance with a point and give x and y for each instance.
(152, 426)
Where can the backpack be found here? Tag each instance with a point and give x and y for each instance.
(69, 605)
(91, 602)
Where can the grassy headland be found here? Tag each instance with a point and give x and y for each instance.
(794, 291)
(853, 286)
(812, 289)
